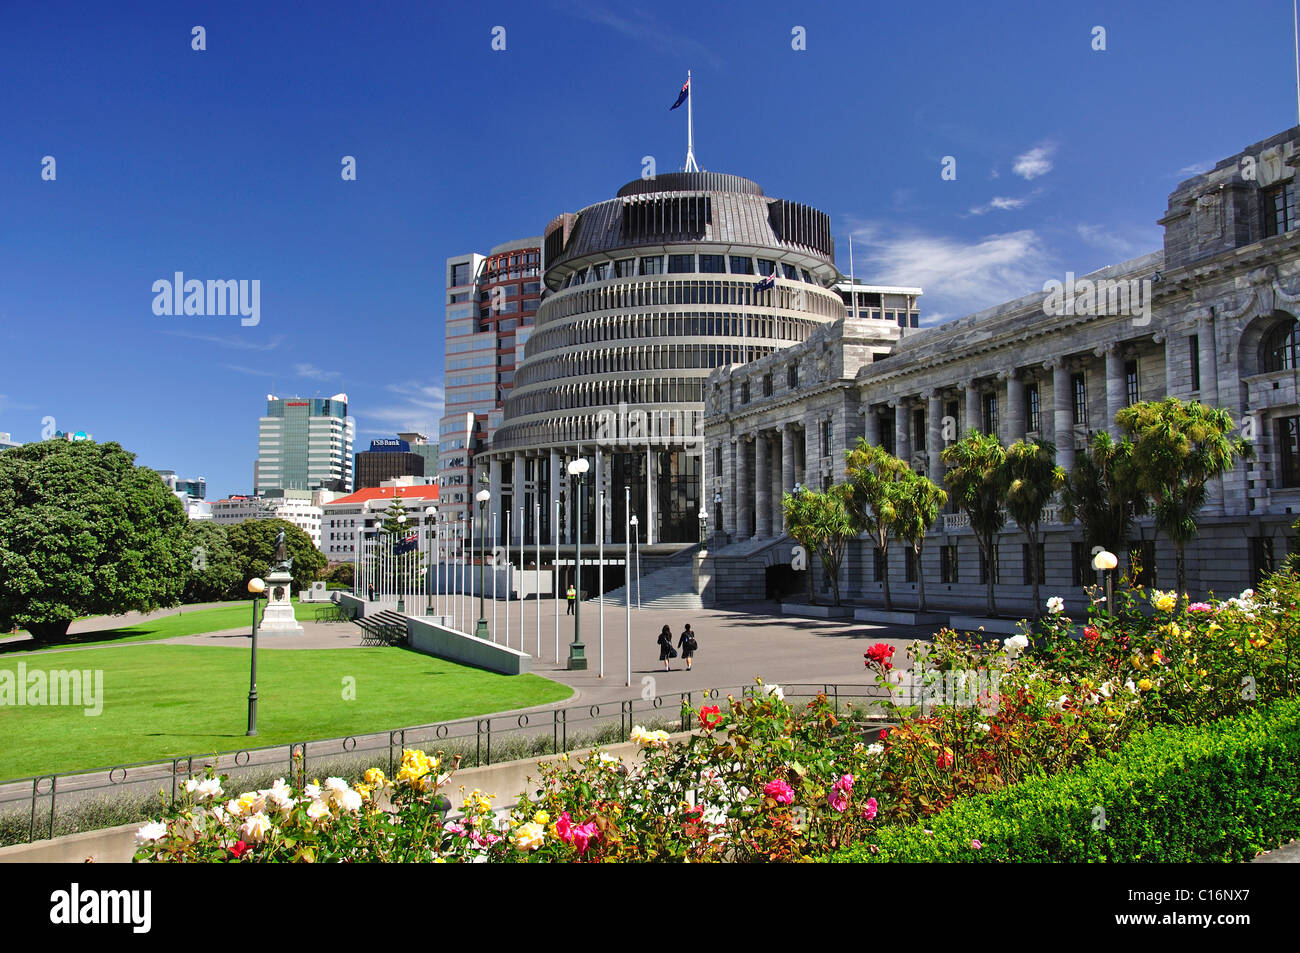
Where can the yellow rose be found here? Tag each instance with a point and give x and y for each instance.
(542, 818)
(375, 778)
(1145, 684)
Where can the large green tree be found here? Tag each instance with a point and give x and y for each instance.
(824, 520)
(1178, 448)
(1102, 492)
(214, 570)
(253, 542)
(874, 483)
(801, 522)
(917, 505)
(84, 531)
(1032, 479)
(976, 480)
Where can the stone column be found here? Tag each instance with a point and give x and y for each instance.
(762, 486)
(812, 451)
(731, 487)
(934, 435)
(902, 431)
(1013, 416)
(1062, 414)
(974, 413)
(553, 495)
(1114, 387)
(1209, 361)
(1170, 339)
(787, 472)
(741, 493)
(521, 495)
(494, 487)
(873, 426)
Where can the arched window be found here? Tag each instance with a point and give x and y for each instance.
(1278, 352)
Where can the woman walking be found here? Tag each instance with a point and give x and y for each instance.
(666, 650)
(688, 645)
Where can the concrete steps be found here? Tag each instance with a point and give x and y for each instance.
(672, 587)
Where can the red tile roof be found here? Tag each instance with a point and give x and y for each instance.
(386, 493)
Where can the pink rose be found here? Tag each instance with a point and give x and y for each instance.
(845, 783)
(779, 791)
(838, 800)
(977, 845)
(1200, 607)
(872, 809)
(584, 835)
(564, 828)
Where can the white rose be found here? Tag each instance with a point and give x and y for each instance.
(875, 749)
(318, 809)
(151, 832)
(350, 801)
(209, 789)
(1056, 605)
(254, 829)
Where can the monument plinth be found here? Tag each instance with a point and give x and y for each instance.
(277, 617)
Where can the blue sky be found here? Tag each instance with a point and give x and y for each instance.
(225, 163)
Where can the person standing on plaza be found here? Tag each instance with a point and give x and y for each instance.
(688, 645)
(571, 596)
(666, 650)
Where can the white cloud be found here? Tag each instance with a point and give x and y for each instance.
(959, 277)
(239, 368)
(312, 372)
(418, 407)
(1037, 161)
(239, 344)
(1196, 168)
(999, 203)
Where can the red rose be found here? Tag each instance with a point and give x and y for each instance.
(710, 716)
(884, 733)
(880, 654)
(944, 761)
(239, 849)
(1091, 633)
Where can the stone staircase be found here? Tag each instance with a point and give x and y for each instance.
(672, 587)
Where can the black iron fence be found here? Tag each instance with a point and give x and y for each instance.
(51, 805)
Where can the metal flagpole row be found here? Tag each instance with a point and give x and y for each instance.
(509, 566)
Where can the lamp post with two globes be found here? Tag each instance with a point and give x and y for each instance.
(1105, 562)
(481, 629)
(577, 651)
(256, 586)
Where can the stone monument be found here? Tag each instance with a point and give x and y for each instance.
(278, 617)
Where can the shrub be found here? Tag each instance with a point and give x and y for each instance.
(1217, 792)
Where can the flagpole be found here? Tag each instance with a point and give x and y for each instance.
(691, 165)
(853, 285)
(1295, 24)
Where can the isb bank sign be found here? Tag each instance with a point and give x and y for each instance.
(389, 445)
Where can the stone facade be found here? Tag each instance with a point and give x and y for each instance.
(1210, 317)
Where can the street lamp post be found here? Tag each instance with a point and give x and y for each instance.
(636, 542)
(397, 569)
(256, 587)
(1105, 562)
(430, 516)
(577, 651)
(481, 630)
(704, 520)
(627, 576)
(600, 569)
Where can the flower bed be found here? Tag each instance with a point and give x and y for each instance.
(1217, 792)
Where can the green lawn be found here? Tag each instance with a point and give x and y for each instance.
(235, 615)
(162, 701)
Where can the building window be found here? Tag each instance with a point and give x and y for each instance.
(681, 264)
(741, 265)
(918, 431)
(766, 267)
(948, 564)
(984, 567)
(1261, 558)
(713, 264)
(991, 413)
(1194, 350)
(878, 564)
(1081, 571)
(909, 564)
(1278, 352)
(1288, 451)
(1278, 202)
(1033, 412)
(886, 426)
(1078, 383)
(1142, 562)
(826, 437)
(953, 410)
(1042, 564)
(792, 376)
(767, 384)
(653, 265)
(1131, 395)
(744, 392)
(717, 461)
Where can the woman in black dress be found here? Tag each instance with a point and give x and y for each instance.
(666, 650)
(688, 645)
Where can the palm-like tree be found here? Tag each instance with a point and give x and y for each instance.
(976, 480)
(801, 522)
(1178, 447)
(1102, 492)
(822, 522)
(917, 507)
(1032, 478)
(873, 488)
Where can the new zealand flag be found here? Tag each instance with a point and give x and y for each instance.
(406, 544)
(767, 283)
(681, 97)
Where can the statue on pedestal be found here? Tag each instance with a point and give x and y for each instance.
(280, 560)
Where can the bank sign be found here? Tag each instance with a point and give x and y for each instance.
(389, 446)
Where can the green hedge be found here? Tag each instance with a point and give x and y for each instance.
(1217, 792)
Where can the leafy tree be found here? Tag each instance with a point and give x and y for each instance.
(823, 519)
(976, 479)
(1103, 494)
(339, 574)
(1178, 447)
(1032, 478)
(253, 542)
(916, 507)
(874, 478)
(801, 523)
(214, 571)
(84, 531)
